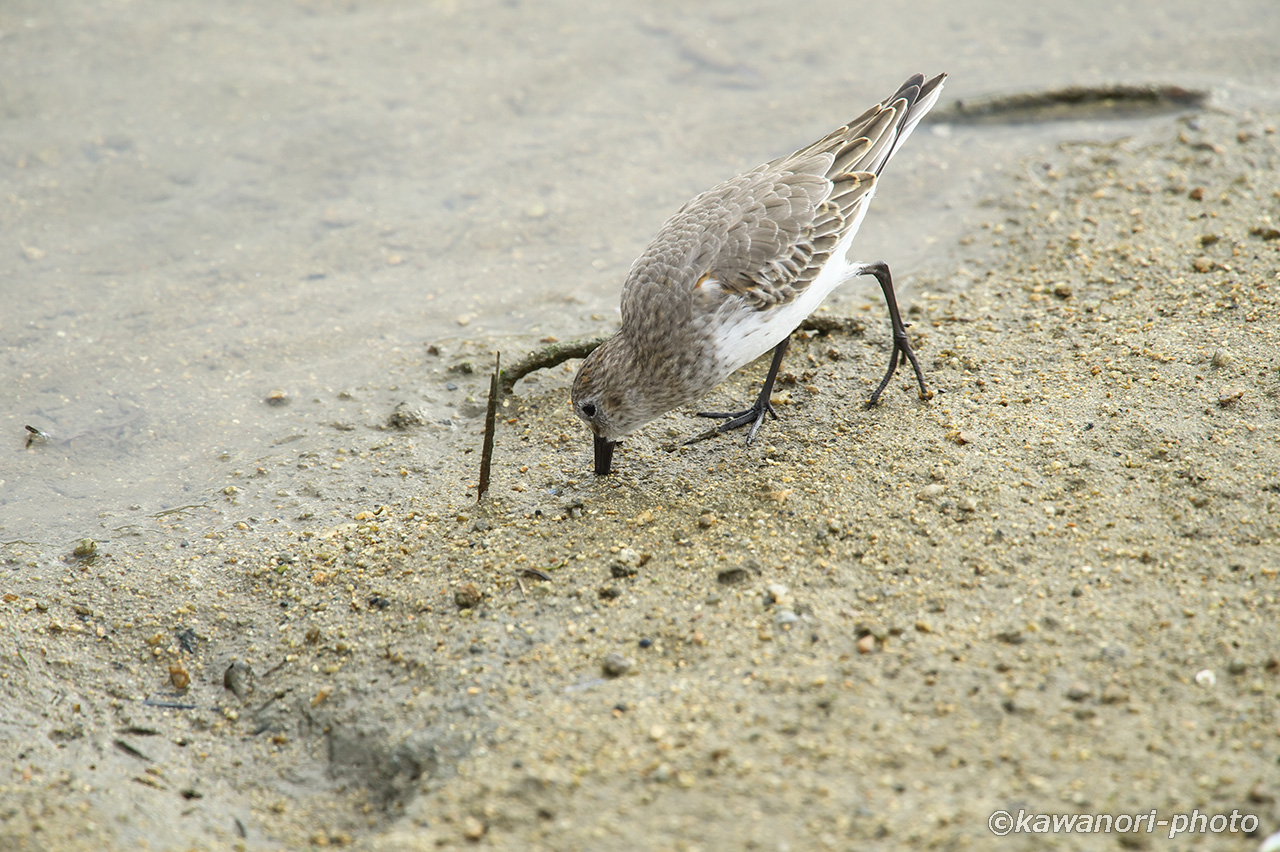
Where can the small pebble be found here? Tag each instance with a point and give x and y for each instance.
(406, 416)
(1113, 651)
(1206, 677)
(931, 492)
(1221, 358)
(473, 829)
(239, 679)
(778, 595)
(179, 676)
(867, 644)
(1078, 692)
(616, 665)
(466, 596)
(1011, 637)
(732, 576)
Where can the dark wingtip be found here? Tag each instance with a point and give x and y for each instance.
(604, 455)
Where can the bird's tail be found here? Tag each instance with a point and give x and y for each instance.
(920, 96)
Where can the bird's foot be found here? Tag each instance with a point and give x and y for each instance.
(737, 419)
(901, 352)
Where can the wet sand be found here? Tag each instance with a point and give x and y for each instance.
(1051, 588)
(206, 204)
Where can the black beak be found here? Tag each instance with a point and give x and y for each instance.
(604, 455)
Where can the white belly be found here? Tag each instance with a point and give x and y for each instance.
(746, 333)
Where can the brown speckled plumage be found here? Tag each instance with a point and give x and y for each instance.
(737, 258)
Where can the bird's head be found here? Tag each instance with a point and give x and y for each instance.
(607, 396)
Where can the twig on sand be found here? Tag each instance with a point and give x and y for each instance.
(490, 426)
(548, 356)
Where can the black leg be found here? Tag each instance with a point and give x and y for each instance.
(755, 414)
(901, 345)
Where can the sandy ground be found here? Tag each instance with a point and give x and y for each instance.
(1051, 589)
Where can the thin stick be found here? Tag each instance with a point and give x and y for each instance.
(548, 356)
(490, 426)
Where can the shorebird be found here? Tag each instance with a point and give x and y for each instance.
(737, 269)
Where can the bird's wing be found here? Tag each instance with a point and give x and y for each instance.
(766, 234)
(780, 226)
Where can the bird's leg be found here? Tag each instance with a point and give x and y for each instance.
(901, 345)
(755, 414)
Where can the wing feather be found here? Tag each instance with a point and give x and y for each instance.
(765, 235)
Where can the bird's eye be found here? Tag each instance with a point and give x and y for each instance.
(588, 410)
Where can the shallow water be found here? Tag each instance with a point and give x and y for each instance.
(205, 204)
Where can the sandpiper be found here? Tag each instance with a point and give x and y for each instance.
(737, 269)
